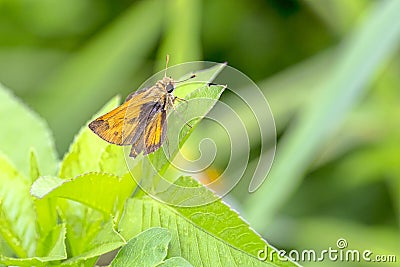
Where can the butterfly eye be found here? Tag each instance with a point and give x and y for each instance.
(170, 87)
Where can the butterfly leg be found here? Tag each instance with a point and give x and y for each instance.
(180, 99)
(180, 116)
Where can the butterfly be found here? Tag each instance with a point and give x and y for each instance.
(141, 120)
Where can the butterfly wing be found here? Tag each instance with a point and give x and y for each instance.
(125, 124)
(154, 131)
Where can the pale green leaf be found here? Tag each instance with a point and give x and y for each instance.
(47, 218)
(17, 214)
(102, 191)
(16, 120)
(45, 184)
(52, 246)
(200, 82)
(97, 239)
(89, 232)
(34, 167)
(148, 249)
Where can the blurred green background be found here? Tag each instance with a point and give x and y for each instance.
(329, 69)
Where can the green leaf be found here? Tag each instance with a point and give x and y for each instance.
(175, 261)
(97, 239)
(17, 213)
(197, 229)
(104, 192)
(47, 220)
(199, 83)
(45, 184)
(84, 153)
(89, 232)
(34, 167)
(148, 249)
(16, 120)
(52, 246)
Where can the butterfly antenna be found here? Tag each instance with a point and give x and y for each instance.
(187, 79)
(166, 65)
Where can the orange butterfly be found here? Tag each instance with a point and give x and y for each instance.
(141, 120)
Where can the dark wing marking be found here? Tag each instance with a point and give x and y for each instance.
(137, 147)
(153, 133)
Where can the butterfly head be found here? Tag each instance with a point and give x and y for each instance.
(168, 83)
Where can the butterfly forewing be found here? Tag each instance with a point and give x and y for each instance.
(109, 126)
(140, 121)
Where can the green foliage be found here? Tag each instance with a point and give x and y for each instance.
(214, 234)
(89, 208)
(17, 118)
(17, 211)
(329, 70)
(147, 249)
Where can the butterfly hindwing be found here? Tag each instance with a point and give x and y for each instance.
(153, 130)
